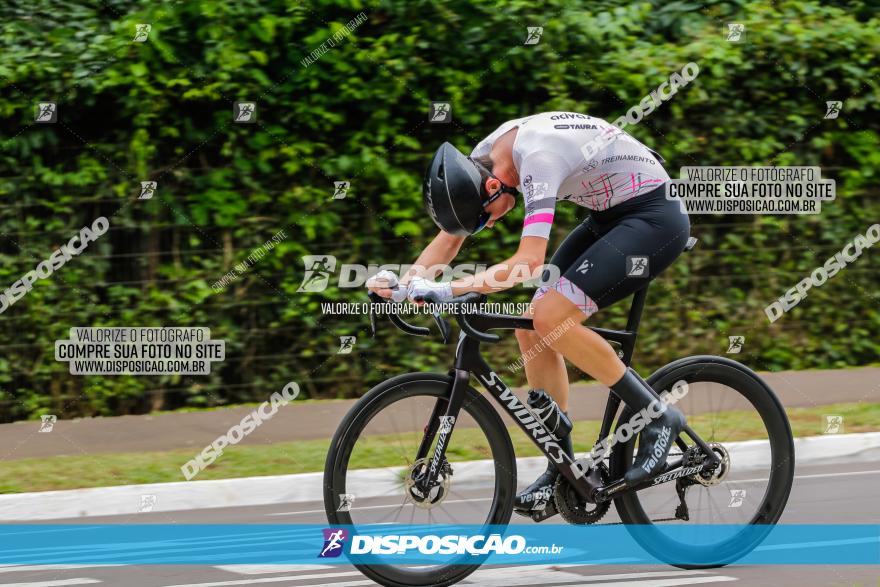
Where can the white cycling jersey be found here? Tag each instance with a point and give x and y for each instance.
(552, 166)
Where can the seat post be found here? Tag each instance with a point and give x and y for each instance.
(636, 309)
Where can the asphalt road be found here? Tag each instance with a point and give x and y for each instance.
(306, 421)
(822, 494)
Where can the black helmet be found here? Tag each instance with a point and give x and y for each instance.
(452, 192)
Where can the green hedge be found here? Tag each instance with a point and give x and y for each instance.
(162, 110)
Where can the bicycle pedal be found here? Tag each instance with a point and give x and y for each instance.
(541, 515)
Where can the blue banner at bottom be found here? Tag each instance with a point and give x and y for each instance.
(214, 544)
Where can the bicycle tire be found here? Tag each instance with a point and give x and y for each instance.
(745, 381)
(383, 395)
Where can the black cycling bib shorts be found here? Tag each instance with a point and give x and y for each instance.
(615, 252)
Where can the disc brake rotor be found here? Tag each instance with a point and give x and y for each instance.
(717, 475)
(437, 492)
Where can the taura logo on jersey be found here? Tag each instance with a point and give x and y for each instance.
(576, 126)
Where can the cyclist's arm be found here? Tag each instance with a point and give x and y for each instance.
(517, 269)
(441, 251)
(542, 172)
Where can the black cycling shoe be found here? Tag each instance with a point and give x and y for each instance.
(537, 498)
(658, 435)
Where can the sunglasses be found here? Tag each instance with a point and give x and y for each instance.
(504, 189)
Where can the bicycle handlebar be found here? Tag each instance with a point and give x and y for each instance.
(397, 320)
(442, 325)
(461, 317)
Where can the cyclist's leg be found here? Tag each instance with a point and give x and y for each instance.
(545, 368)
(601, 277)
(559, 315)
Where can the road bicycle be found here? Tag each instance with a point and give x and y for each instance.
(427, 448)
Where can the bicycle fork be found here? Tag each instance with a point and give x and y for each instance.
(442, 421)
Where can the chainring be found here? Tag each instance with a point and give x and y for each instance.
(573, 508)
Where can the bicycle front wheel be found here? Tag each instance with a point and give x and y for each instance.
(730, 511)
(373, 459)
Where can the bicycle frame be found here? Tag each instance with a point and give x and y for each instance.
(468, 361)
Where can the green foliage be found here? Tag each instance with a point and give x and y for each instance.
(161, 110)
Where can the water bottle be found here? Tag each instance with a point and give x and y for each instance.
(548, 413)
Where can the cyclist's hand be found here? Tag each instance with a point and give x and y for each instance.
(385, 284)
(419, 287)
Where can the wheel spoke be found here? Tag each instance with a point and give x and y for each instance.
(400, 418)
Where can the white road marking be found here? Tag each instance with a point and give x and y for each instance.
(345, 584)
(819, 543)
(662, 582)
(23, 568)
(52, 583)
(502, 577)
(268, 569)
(815, 476)
(554, 575)
(378, 507)
(585, 581)
(251, 580)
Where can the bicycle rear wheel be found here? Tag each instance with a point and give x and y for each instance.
(730, 511)
(372, 460)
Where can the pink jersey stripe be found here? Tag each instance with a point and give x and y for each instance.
(546, 217)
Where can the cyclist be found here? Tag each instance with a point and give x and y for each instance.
(631, 234)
